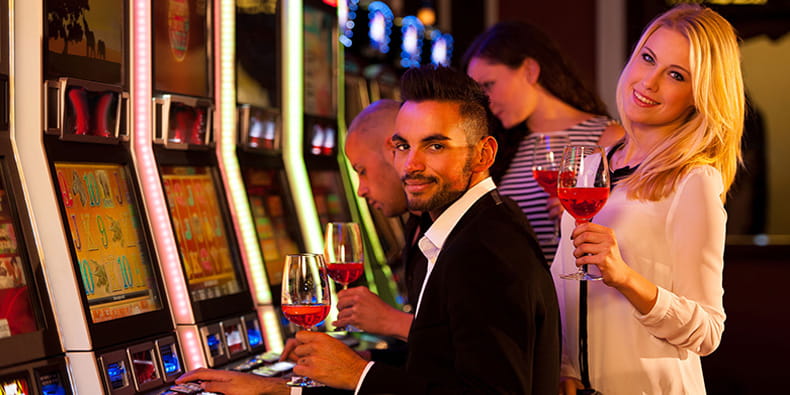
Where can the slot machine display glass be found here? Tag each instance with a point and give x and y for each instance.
(106, 238)
(17, 315)
(198, 222)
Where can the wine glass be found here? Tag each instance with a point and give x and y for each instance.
(583, 188)
(305, 297)
(546, 159)
(343, 252)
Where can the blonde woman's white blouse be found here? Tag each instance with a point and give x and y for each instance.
(676, 243)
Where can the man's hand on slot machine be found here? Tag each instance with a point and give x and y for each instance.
(235, 383)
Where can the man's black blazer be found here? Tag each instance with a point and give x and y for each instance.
(488, 321)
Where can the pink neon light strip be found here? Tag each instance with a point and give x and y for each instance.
(148, 171)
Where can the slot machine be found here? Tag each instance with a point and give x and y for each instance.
(327, 169)
(256, 146)
(73, 139)
(32, 360)
(185, 193)
(320, 113)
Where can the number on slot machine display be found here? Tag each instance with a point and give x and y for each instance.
(118, 192)
(68, 201)
(104, 188)
(93, 190)
(126, 272)
(76, 232)
(87, 277)
(105, 241)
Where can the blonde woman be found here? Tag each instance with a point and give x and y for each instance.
(659, 240)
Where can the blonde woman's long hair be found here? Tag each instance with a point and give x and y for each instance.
(712, 133)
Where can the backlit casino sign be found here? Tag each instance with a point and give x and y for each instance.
(178, 28)
(413, 33)
(379, 26)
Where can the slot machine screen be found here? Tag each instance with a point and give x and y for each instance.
(199, 224)
(17, 315)
(268, 210)
(106, 237)
(181, 47)
(85, 40)
(319, 63)
(14, 385)
(328, 193)
(256, 53)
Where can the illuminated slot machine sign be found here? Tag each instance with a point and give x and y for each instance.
(320, 54)
(412, 36)
(200, 231)
(380, 26)
(441, 48)
(181, 47)
(347, 15)
(115, 270)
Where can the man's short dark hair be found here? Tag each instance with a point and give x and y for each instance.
(445, 84)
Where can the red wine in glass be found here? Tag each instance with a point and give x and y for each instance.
(343, 251)
(547, 179)
(306, 315)
(583, 188)
(306, 297)
(345, 272)
(547, 151)
(583, 203)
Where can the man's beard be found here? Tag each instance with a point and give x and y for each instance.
(444, 197)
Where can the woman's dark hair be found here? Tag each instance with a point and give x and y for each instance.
(509, 43)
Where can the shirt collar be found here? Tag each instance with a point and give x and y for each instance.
(442, 226)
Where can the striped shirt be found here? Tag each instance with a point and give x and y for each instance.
(518, 183)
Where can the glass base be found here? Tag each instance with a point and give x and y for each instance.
(304, 382)
(581, 276)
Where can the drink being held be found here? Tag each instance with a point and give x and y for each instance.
(345, 273)
(583, 188)
(305, 315)
(547, 179)
(583, 203)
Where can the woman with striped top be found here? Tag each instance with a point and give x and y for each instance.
(532, 89)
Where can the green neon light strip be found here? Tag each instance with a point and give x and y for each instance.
(374, 251)
(227, 145)
(293, 125)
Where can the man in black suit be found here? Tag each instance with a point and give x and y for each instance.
(487, 319)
